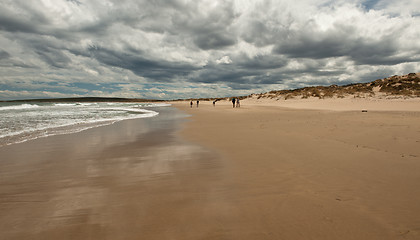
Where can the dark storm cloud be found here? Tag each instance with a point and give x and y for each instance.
(157, 70)
(243, 73)
(186, 22)
(332, 46)
(6, 60)
(4, 54)
(17, 24)
(219, 74)
(343, 42)
(25, 19)
(55, 58)
(31, 22)
(258, 33)
(308, 47)
(210, 30)
(214, 40)
(47, 49)
(229, 74)
(260, 62)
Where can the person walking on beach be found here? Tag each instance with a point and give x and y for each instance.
(198, 102)
(237, 103)
(191, 104)
(233, 101)
(214, 103)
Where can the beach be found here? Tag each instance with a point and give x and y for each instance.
(261, 171)
(315, 174)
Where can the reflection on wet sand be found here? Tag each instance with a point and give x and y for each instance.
(134, 179)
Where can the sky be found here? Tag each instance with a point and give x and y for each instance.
(163, 49)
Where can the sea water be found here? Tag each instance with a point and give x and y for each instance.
(20, 122)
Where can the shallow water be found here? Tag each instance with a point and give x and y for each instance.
(20, 122)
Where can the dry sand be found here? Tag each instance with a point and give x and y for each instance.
(271, 173)
(314, 174)
(341, 104)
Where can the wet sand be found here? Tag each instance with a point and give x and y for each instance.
(134, 179)
(314, 174)
(257, 172)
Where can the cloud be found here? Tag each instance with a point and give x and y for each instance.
(223, 60)
(174, 49)
(4, 54)
(157, 70)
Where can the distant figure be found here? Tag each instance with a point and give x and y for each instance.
(191, 104)
(198, 102)
(233, 101)
(214, 103)
(237, 103)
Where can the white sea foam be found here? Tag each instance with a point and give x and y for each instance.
(18, 107)
(29, 121)
(86, 104)
(155, 105)
(65, 104)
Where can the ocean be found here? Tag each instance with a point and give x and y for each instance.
(20, 122)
